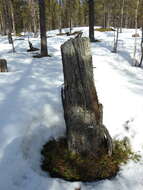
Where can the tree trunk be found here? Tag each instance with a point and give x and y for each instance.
(82, 110)
(32, 7)
(70, 25)
(108, 17)
(140, 64)
(3, 25)
(70, 16)
(116, 36)
(135, 63)
(126, 20)
(5, 17)
(44, 51)
(12, 17)
(122, 14)
(104, 19)
(60, 17)
(3, 65)
(8, 21)
(91, 20)
(8, 18)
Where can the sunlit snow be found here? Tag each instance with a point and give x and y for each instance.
(31, 110)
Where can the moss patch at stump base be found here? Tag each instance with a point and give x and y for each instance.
(59, 162)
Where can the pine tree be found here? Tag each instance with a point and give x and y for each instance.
(44, 50)
(91, 20)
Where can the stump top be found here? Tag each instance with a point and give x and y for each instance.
(71, 40)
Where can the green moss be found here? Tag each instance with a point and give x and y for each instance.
(104, 29)
(19, 35)
(59, 162)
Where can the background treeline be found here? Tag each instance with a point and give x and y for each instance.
(23, 15)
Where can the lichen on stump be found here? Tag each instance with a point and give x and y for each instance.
(3, 65)
(83, 113)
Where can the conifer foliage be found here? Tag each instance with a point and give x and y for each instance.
(23, 15)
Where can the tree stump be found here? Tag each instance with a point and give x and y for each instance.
(83, 113)
(31, 48)
(3, 65)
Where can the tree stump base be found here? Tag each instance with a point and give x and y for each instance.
(3, 65)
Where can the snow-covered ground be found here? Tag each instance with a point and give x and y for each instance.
(31, 110)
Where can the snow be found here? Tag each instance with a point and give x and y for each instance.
(31, 110)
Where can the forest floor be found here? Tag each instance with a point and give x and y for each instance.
(31, 110)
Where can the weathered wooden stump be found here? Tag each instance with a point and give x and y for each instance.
(3, 65)
(82, 110)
